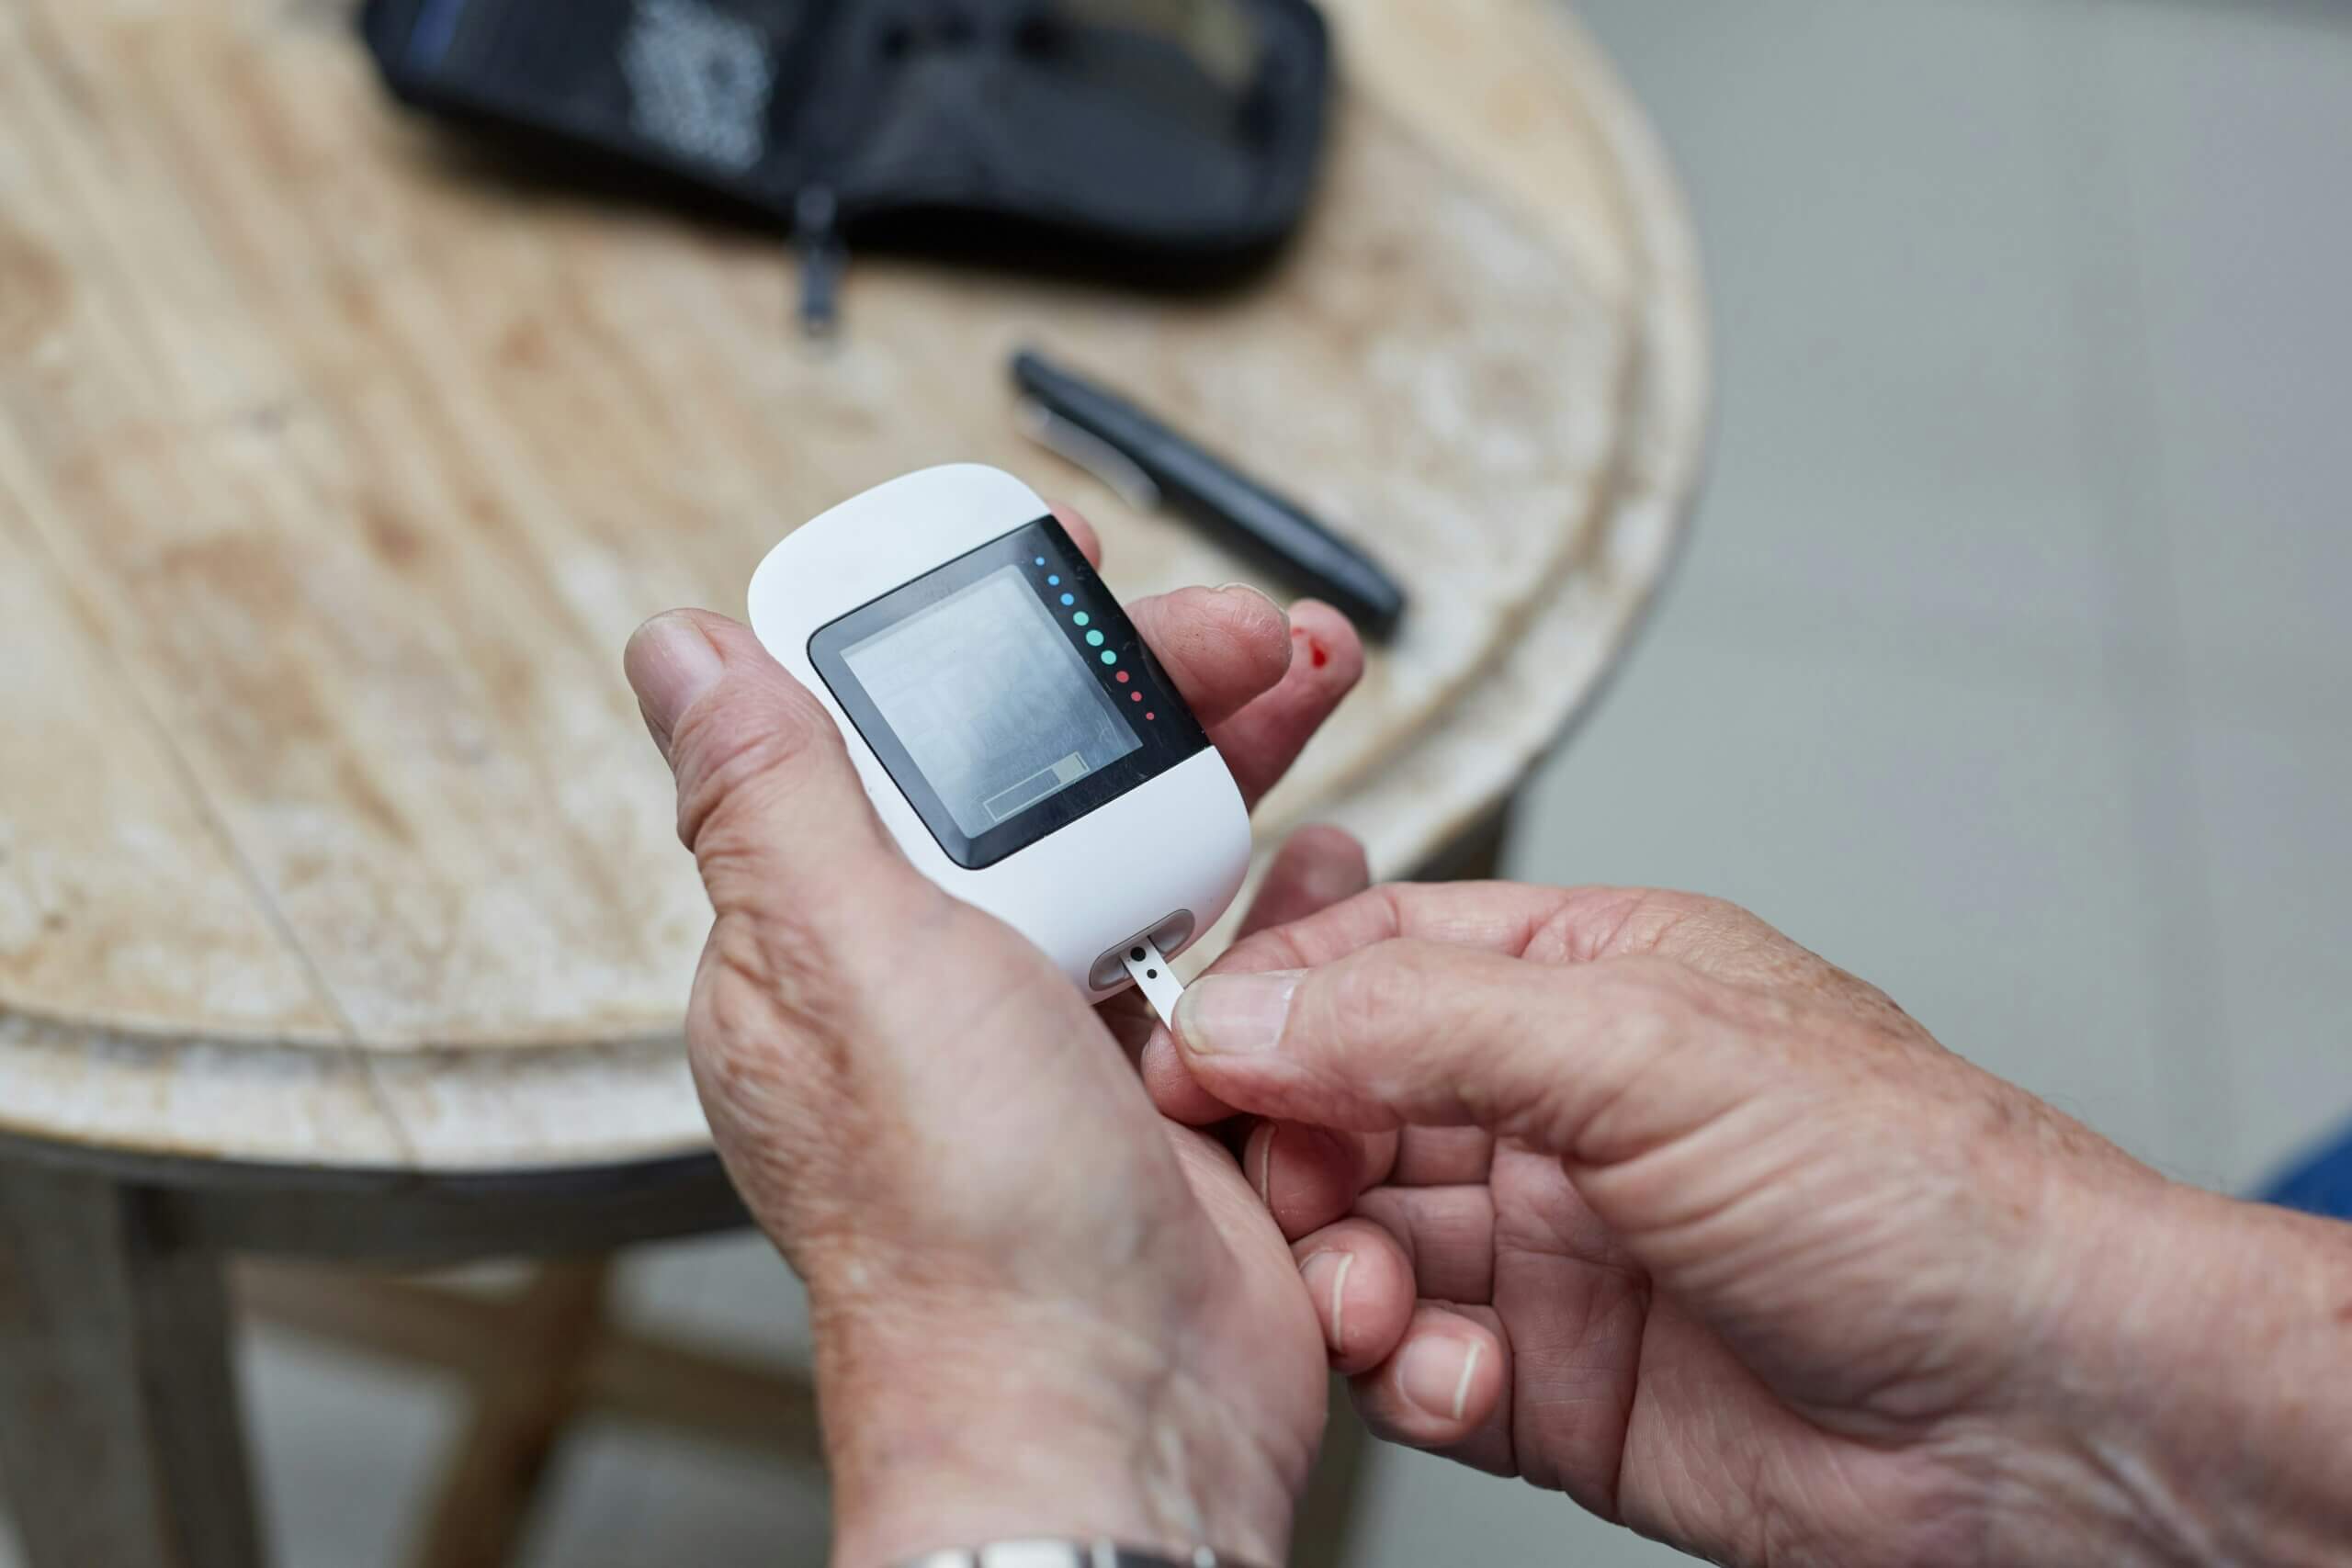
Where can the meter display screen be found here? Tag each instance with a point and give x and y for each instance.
(991, 702)
(1006, 692)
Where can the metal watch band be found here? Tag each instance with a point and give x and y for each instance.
(1065, 1554)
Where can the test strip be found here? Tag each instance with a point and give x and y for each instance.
(1155, 978)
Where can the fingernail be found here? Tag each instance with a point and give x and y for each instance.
(1260, 594)
(1325, 1274)
(669, 663)
(1232, 1015)
(1434, 1373)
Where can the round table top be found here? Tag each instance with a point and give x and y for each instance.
(336, 468)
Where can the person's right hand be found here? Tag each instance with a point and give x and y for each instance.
(1636, 1198)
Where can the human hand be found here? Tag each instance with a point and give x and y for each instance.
(1625, 1193)
(1038, 1308)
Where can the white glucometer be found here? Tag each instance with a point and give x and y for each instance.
(1020, 741)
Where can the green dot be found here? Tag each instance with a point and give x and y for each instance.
(1109, 657)
(1081, 618)
(1093, 639)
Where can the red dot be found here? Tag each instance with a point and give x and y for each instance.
(1122, 677)
(1149, 716)
(1135, 696)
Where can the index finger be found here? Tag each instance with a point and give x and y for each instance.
(1497, 917)
(1224, 648)
(1081, 533)
(1545, 925)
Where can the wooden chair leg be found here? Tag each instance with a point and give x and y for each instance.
(522, 1405)
(120, 1437)
(1327, 1515)
(631, 1376)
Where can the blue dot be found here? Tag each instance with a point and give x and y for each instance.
(1093, 639)
(1040, 560)
(1053, 582)
(1109, 657)
(1070, 599)
(1081, 618)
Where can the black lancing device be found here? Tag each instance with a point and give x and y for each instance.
(1262, 522)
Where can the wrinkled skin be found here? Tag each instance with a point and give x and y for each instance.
(1731, 1249)
(1039, 1307)
(1620, 1191)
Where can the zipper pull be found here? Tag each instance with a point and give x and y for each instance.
(816, 219)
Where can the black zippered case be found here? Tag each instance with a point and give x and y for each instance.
(1150, 134)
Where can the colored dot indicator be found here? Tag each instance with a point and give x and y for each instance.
(1093, 639)
(1040, 560)
(1135, 696)
(1069, 598)
(1081, 618)
(1149, 716)
(1109, 657)
(1053, 581)
(1122, 680)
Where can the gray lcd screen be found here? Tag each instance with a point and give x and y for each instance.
(991, 701)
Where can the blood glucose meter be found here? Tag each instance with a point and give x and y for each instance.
(1019, 740)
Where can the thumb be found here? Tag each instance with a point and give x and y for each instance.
(768, 799)
(1565, 1059)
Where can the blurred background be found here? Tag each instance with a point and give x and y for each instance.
(2007, 665)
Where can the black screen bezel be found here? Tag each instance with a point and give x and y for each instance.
(1171, 736)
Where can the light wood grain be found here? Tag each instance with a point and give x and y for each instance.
(1528, 101)
(334, 468)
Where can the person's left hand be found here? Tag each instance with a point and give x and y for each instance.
(1039, 1309)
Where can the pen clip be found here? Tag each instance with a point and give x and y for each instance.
(1075, 444)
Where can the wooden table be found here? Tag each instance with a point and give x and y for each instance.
(340, 910)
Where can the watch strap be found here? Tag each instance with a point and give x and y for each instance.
(1065, 1554)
